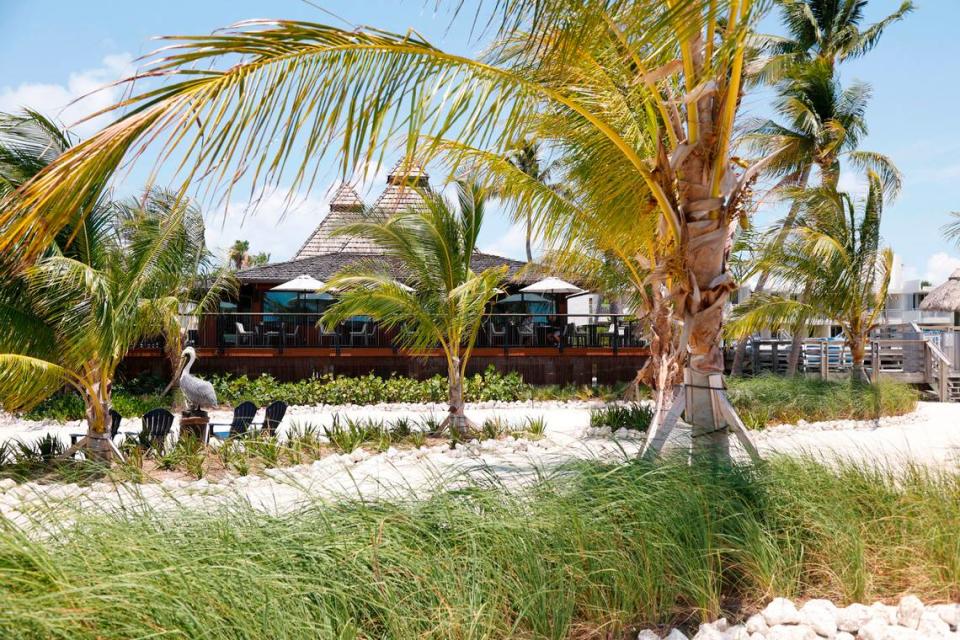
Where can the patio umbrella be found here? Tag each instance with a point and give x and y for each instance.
(302, 284)
(551, 285)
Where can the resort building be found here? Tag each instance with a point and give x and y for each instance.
(272, 325)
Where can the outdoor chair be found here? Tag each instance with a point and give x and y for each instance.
(495, 334)
(573, 336)
(156, 427)
(114, 428)
(244, 335)
(526, 332)
(290, 337)
(273, 416)
(243, 415)
(333, 334)
(362, 335)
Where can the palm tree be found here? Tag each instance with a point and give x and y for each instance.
(827, 30)
(238, 254)
(29, 141)
(73, 314)
(834, 254)
(442, 300)
(525, 156)
(646, 90)
(824, 123)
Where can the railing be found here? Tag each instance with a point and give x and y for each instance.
(502, 331)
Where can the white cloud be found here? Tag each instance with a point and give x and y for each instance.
(511, 243)
(279, 225)
(939, 267)
(87, 87)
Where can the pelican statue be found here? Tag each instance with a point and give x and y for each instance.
(199, 393)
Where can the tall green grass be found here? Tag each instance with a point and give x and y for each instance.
(594, 550)
(770, 399)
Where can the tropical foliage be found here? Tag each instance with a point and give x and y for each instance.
(73, 314)
(834, 255)
(819, 122)
(441, 302)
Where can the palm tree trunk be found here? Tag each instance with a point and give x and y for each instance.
(736, 369)
(456, 420)
(857, 351)
(529, 235)
(98, 436)
(793, 360)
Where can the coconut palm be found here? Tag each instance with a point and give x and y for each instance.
(71, 316)
(441, 302)
(525, 156)
(648, 90)
(29, 141)
(834, 255)
(827, 30)
(238, 254)
(822, 125)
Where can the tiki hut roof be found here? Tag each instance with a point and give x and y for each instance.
(945, 297)
(345, 208)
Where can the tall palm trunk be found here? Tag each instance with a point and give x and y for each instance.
(858, 352)
(664, 368)
(456, 420)
(736, 369)
(97, 410)
(707, 246)
(529, 235)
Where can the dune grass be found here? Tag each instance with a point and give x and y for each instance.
(594, 551)
(770, 399)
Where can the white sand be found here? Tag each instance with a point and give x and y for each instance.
(930, 435)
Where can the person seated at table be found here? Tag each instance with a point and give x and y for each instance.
(553, 330)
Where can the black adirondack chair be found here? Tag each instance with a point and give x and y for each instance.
(114, 428)
(273, 416)
(156, 427)
(243, 415)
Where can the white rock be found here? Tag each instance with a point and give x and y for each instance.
(821, 615)
(851, 618)
(757, 624)
(931, 626)
(884, 612)
(949, 613)
(791, 632)
(895, 632)
(843, 635)
(7, 484)
(874, 629)
(646, 634)
(676, 634)
(708, 631)
(909, 611)
(737, 632)
(757, 636)
(781, 611)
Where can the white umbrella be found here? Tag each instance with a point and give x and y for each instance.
(551, 285)
(301, 283)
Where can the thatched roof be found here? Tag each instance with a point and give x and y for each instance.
(946, 297)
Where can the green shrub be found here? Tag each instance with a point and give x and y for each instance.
(593, 551)
(633, 416)
(770, 399)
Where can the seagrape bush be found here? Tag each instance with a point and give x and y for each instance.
(368, 389)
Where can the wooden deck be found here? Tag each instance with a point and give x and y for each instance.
(929, 359)
(537, 365)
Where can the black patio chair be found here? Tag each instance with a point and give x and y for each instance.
(156, 427)
(273, 416)
(243, 415)
(114, 428)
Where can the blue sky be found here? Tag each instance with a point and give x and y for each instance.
(54, 51)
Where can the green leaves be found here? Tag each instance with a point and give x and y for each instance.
(441, 301)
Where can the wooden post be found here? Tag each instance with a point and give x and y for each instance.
(944, 382)
(775, 356)
(875, 360)
(824, 364)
